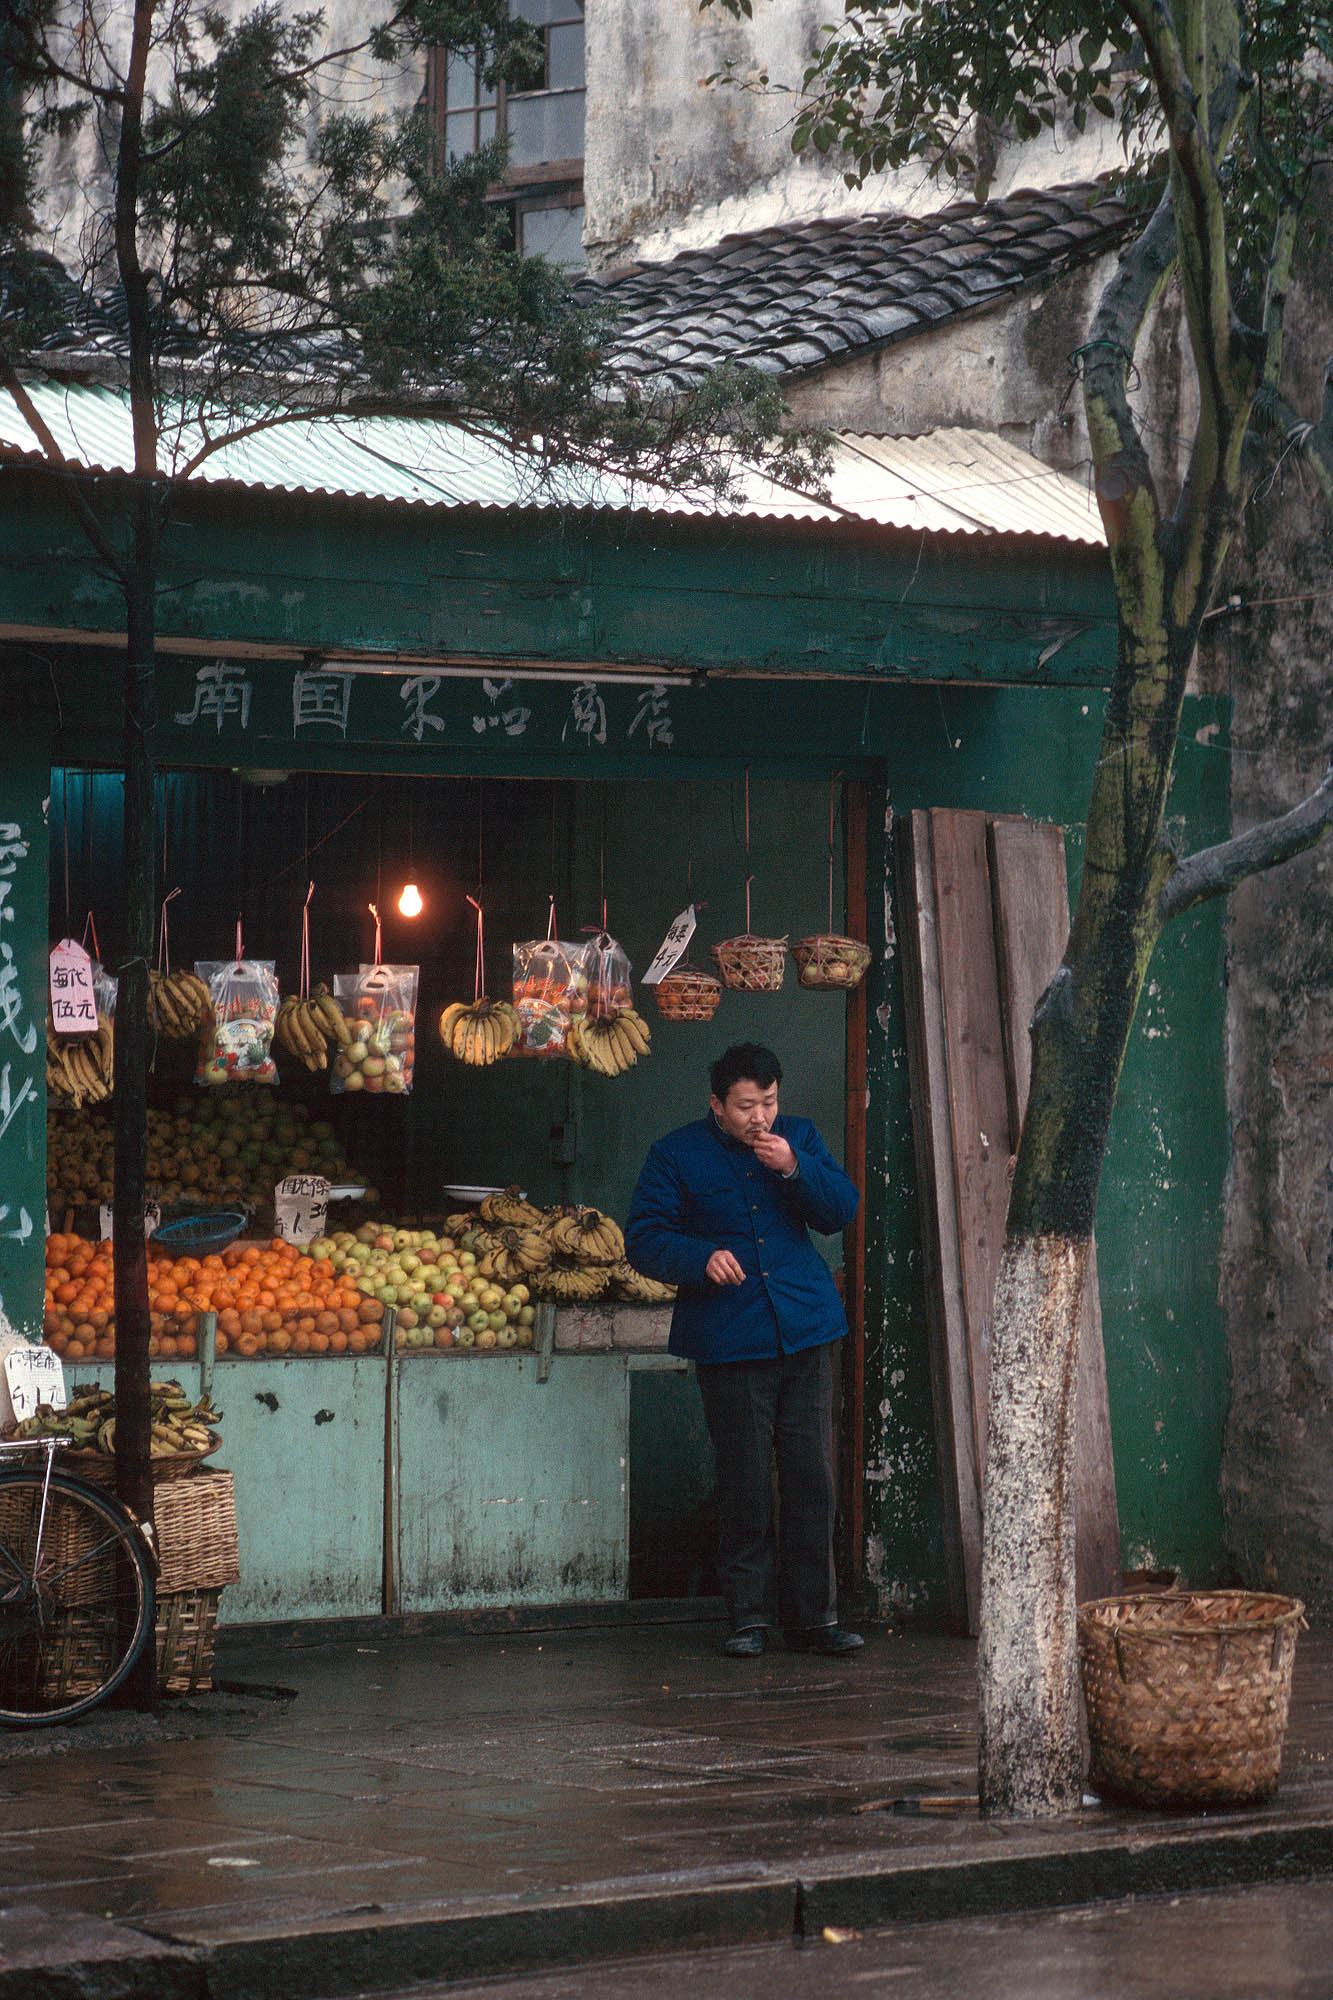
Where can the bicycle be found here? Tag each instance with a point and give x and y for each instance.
(77, 1596)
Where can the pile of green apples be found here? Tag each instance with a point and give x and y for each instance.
(440, 1296)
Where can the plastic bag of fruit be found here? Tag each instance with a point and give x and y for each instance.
(550, 990)
(237, 1037)
(607, 966)
(379, 1004)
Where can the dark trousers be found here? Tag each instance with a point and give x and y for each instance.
(758, 1412)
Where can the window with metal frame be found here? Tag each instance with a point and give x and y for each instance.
(541, 120)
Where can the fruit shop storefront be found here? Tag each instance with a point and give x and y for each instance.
(556, 724)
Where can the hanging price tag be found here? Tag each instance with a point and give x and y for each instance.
(300, 1207)
(34, 1375)
(152, 1215)
(73, 1001)
(671, 947)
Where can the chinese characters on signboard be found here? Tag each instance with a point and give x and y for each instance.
(494, 709)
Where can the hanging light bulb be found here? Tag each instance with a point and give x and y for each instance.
(409, 902)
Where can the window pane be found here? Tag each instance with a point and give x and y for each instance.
(565, 57)
(458, 131)
(545, 128)
(461, 83)
(486, 126)
(542, 12)
(556, 233)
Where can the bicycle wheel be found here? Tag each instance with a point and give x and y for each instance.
(74, 1617)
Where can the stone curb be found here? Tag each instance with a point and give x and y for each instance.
(387, 1951)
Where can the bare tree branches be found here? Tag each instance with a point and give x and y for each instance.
(1215, 871)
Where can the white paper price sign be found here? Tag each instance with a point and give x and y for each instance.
(671, 947)
(73, 1001)
(300, 1207)
(34, 1375)
(152, 1215)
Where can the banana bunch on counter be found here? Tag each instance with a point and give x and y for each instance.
(585, 1236)
(89, 1422)
(611, 1046)
(519, 1255)
(79, 1068)
(308, 1029)
(178, 1005)
(481, 1033)
(624, 1282)
(508, 1209)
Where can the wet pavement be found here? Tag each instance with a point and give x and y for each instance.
(453, 1805)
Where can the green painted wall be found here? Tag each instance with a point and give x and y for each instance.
(1159, 1223)
(23, 968)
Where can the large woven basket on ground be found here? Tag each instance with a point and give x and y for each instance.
(1187, 1694)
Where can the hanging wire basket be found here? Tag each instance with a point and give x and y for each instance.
(686, 995)
(751, 964)
(829, 963)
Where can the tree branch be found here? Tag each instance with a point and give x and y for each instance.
(1214, 871)
(45, 437)
(1314, 442)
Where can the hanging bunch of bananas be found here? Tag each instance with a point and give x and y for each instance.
(79, 1067)
(308, 1029)
(179, 1003)
(585, 1236)
(519, 1255)
(571, 1283)
(509, 1209)
(481, 1033)
(611, 1046)
(624, 1282)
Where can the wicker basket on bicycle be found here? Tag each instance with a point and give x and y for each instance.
(99, 1467)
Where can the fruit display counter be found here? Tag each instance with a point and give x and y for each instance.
(426, 1479)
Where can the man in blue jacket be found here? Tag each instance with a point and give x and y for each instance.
(723, 1210)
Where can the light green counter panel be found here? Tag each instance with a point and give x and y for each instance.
(306, 1442)
(511, 1490)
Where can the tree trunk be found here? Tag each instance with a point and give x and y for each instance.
(1030, 1751)
(134, 1477)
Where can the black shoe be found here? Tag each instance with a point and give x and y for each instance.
(747, 1644)
(829, 1639)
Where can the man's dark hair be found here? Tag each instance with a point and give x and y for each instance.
(747, 1061)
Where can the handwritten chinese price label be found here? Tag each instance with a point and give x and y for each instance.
(152, 1215)
(34, 1375)
(300, 1207)
(671, 947)
(73, 1001)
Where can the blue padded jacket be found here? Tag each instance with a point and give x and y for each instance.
(701, 1191)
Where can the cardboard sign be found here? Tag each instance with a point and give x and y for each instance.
(34, 1375)
(300, 1207)
(73, 1000)
(152, 1215)
(671, 947)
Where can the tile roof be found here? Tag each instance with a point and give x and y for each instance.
(799, 296)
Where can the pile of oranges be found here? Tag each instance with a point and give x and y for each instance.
(270, 1298)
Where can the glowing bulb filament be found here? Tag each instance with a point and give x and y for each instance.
(410, 903)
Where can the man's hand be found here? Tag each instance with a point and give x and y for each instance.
(724, 1269)
(771, 1151)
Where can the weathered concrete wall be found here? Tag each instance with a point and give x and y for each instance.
(672, 164)
(1277, 1270)
(76, 169)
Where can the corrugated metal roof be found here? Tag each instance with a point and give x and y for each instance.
(949, 481)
